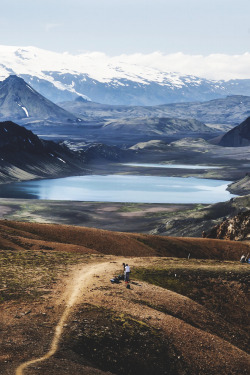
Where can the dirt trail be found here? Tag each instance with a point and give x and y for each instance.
(74, 294)
(200, 349)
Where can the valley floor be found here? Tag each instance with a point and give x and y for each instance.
(188, 220)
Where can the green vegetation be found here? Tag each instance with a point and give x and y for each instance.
(164, 279)
(28, 275)
(129, 207)
(219, 286)
(108, 339)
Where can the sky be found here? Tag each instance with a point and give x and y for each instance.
(114, 27)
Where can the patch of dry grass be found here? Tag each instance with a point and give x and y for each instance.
(27, 275)
(222, 287)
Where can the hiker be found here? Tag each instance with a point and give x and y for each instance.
(243, 259)
(127, 272)
(124, 272)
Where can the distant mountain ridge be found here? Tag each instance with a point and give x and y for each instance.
(231, 110)
(62, 77)
(20, 103)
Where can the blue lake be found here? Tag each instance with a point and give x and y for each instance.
(121, 188)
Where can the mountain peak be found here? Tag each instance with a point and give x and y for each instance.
(14, 78)
(20, 102)
(81, 99)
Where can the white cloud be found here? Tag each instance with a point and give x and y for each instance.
(50, 26)
(215, 66)
(139, 67)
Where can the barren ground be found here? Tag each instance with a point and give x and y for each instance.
(180, 316)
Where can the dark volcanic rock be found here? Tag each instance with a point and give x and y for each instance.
(102, 151)
(14, 138)
(238, 136)
(24, 156)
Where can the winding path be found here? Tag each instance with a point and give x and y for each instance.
(201, 351)
(73, 295)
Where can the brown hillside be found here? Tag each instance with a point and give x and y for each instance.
(18, 235)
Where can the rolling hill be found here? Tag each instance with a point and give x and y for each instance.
(20, 235)
(61, 313)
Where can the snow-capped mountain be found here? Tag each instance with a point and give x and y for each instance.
(110, 80)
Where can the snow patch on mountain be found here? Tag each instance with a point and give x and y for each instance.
(135, 79)
(139, 67)
(98, 66)
(26, 111)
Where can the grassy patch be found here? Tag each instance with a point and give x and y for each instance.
(118, 343)
(129, 207)
(222, 287)
(164, 279)
(28, 275)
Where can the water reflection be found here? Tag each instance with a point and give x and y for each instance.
(122, 188)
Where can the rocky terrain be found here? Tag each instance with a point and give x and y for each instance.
(238, 136)
(169, 122)
(228, 111)
(34, 236)
(236, 228)
(241, 187)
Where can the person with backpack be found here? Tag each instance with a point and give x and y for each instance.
(127, 273)
(243, 259)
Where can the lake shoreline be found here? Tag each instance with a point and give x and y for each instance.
(124, 188)
(181, 220)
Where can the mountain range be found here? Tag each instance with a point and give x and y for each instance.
(231, 110)
(124, 125)
(63, 77)
(20, 103)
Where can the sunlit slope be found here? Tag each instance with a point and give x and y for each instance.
(18, 235)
